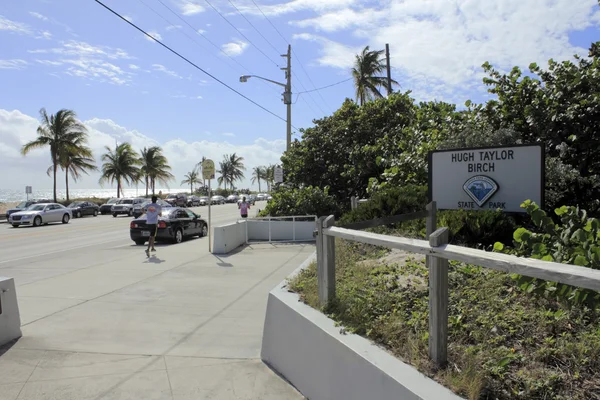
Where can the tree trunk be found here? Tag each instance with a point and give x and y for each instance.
(118, 187)
(259, 186)
(191, 189)
(67, 181)
(55, 167)
(146, 185)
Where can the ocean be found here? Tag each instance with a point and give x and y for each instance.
(9, 195)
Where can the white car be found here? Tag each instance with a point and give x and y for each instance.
(125, 206)
(217, 200)
(41, 214)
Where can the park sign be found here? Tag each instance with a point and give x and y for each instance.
(487, 178)
(208, 169)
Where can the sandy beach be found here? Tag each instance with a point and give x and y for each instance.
(6, 206)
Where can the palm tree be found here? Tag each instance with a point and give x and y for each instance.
(199, 166)
(257, 175)
(225, 171)
(236, 166)
(120, 164)
(154, 167)
(55, 131)
(269, 175)
(367, 65)
(191, 178)
(76, 159)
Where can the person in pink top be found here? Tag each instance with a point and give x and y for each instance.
(244, 207)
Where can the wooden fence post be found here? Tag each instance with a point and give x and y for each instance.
(320, 266)
(431, 221)
(327, 287)
(352, 203)
(438, 300)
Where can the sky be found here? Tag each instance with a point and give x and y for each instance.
(124, 86)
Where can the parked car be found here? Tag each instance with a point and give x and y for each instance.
(217, 200)
(204, 201)
(41, 214)
(140, 208)
(250, 200)
(261, 197)
(233, 198)
(81, 208)
(177, 199)
(193, 201)
(106, 208)
(175, 225)
(20, 207)
(269, 197)
(125, 206)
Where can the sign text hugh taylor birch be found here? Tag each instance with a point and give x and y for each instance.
(487, 178)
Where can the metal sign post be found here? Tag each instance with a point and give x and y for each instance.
(28, 191)
(208, 172)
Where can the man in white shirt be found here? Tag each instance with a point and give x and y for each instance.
(153, 211)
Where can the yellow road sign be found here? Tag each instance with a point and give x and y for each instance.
(208, 169)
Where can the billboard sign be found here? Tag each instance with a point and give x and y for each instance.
(487, 178)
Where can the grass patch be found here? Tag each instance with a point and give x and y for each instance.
(503, 342)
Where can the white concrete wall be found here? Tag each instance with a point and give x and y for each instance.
(281, 230)
(10, 319)
(306, 347)
(228, 237)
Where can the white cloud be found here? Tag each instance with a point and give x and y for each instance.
(44, 35)
(229, 134)
(439, 46)
(234, 48)
(201, 31)
(162, 68)
(154, 34)
(190, 7)
(38, 16)
(17, 128)
(14, 27)
(319, 6)
(13, 64)
(128, 18)
(172, 27)
(90, 62)
(133, 66)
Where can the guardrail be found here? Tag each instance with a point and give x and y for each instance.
(294, 218)
(438, 252)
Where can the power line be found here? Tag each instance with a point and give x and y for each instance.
(294, 53)
(240, 32)
(328, 86)
(189, 62)
(198, 31)
(252, 25)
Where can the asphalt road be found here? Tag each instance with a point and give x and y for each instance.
(88, 235)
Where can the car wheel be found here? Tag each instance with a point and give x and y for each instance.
(79, 214)
(66, 219)
(130, 213)
(15, 225)
(114, 215)
(95, 213)
(204, 231)
(37, 221)
(178, 238)
(140, 242)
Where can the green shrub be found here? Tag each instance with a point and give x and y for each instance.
(304, 201)
(387, 202)
(575, 239)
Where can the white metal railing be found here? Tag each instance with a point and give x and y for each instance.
(438, 252)
(294, 218)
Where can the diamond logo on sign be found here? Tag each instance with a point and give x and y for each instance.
(480, 188)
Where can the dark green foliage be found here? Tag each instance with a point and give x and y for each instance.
(305, 201)
(575, 239)
(503, 343)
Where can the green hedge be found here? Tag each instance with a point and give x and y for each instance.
(304, 201)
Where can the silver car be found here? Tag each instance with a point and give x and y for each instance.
(140, 209)
(41, 214)
(125, 206)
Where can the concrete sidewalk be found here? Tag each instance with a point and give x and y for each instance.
(182, 325)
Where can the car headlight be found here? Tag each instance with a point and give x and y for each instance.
(26, 217)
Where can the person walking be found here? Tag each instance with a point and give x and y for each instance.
(244, 207)
(153, 211)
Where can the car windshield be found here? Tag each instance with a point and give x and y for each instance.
(112, 201)
(22, 204)
(36, 207)
(125, 202)
(172, 196)
(203, 198)
(75, 204)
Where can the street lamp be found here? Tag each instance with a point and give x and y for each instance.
(287, 95)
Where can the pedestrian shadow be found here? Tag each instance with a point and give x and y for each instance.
(154, 260)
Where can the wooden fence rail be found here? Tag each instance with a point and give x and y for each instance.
(438, 252)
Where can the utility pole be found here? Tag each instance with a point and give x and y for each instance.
(287, 95)
(389, 70)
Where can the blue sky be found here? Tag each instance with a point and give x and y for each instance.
(75, 54)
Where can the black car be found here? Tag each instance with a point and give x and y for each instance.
(193, 201)
(175, 225)
(81, 208)
(20, 207)
(106, 208)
